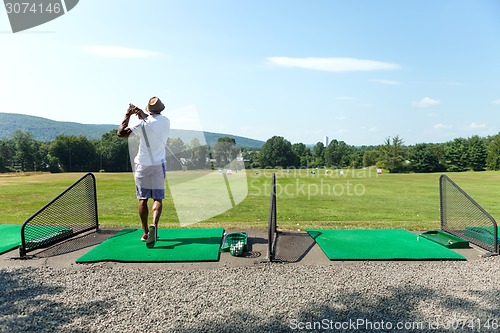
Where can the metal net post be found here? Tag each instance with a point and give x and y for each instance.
(271, 228)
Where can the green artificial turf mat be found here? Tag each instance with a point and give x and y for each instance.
(482, 234)
(172, 245)
(472, 231)
(41, 235)
(379, 244)
(10, 237)
(35, 235)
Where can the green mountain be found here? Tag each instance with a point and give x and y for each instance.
(44, 129)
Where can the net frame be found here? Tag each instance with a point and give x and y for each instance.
(284, 246)
(462, 216)
(272, 231)
(58, 221)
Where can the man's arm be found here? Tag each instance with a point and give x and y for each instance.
(123, 130)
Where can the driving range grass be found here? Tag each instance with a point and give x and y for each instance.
(351, 198)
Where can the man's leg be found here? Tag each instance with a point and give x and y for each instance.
(143, 214)
(153, 229)
(156, 210)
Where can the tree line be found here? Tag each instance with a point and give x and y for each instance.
(110, 153)
(461, 154)
(67, 153)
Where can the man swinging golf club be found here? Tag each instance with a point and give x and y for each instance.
(149, 163)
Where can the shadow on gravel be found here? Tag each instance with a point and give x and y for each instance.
(26, 306)
(356, 312)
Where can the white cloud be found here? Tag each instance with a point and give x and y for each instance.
(333, 64)
(496, 102)
(442, 126)
(113, 51)
(474, 126)
(425, 102)
(371, 129)
(388, 82)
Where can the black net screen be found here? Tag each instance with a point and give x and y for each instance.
(72, 212)
(271, 228)
(463, 217)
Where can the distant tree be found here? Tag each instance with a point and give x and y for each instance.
(74, 153)
(176, 153)
(53, 163)
(456, 155)
(113, 152)
(25, 150)
(425, 157)
(276, 152)
(7, 152)
(356, 157)
(225, 150)
(370, 157)
(42, 156)
(477, 153)
(318, 155)
(393, 155)
(198, 154)
(337, 154)
(302, 155)
(493, 158)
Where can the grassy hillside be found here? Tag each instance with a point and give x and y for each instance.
(44, 129)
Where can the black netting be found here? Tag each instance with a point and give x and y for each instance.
(271, 227)
(72, 212)
(463, 217)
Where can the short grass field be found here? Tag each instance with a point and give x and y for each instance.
(351, 198)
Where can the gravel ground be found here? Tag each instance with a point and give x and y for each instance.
(357, 297)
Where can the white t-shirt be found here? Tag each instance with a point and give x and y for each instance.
(153, 133)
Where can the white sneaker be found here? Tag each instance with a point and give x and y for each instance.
(151, 241)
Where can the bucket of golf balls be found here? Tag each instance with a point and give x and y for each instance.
(237, 243)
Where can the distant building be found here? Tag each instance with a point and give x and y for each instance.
(326, 141)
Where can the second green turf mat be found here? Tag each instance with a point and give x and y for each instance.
(10, 237)
(173, 245)
(379, 244)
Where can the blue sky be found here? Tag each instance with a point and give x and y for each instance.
(357, 71)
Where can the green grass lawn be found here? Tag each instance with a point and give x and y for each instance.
(355, 199)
